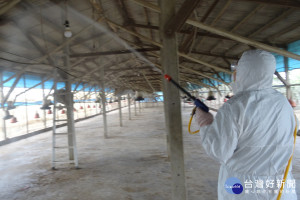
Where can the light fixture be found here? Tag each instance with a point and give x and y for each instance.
(7, 115)
(46, 104)
(68, 32)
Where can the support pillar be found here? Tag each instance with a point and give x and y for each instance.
(172, 107)
(135, 108)
(103, 100)
(70, 111)
(129, 111)
(140, 106)
(26, 106)
(84, 103)
(120, 110)
(44, 111)
(287, 78)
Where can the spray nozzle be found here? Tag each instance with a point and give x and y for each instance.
(168, 77)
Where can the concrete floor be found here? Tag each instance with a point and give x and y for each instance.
(130, 165)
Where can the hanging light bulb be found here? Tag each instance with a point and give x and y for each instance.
(68, 32)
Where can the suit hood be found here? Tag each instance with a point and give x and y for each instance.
(254, 71)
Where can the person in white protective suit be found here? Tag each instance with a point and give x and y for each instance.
(252, 133)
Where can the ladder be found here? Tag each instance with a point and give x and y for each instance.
(71, 146)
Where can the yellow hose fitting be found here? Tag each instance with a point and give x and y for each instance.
(190, 122)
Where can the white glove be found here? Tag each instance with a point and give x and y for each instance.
(203, 118)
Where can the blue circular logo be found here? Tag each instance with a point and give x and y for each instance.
(233, 186)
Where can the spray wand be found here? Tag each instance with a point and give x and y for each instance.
(197, 102)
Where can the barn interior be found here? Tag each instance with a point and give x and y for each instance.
(86, 112)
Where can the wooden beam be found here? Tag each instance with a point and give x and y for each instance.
(148, 26)
(215, 55)
(40, 83)
(158, 79)
(284, 31)
(188, 43)
(147, 80)
(150, 6)
(81, 41)
(195, 81)
(149, 75)
(209, 10)
(117, 52)
(176, 22)
(205, 63)
(76, 86)
(226, 33)
(266, 26)
(244, 40)
(287, 3)
(180, 31)
(221, 13)
(43, 58)
(209, 35)
(134, 33)
(281, 78)
(244, 20)
(160, 67)
(11, 88)
(203, 75)
(151, 33)
(160, 45)
(126, 16)
(172, 103)
(8, 6)
(272, 22)
(124, 69)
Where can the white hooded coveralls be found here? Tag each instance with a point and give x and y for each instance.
(252, 133)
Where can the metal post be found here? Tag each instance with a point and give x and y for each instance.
(120, 110)
(44, 111)
(103, 100)
(70, 112)
(84, 103)
(140, 106)
(287, 78)
(135, 107)
(26, 106)
(2, 105)
(96, 104)
(172, 107)
(129, 111)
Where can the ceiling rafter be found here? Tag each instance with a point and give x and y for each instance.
(126, 16)
(219, 15)
(199, 73)
(266, 26)
(224, 33)
(149, 23)
(116, 52)
(8, 6)
(286, 3)
(284, 31)
(243, 21)
(160, 45)
(244, 40)
(176, 22)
